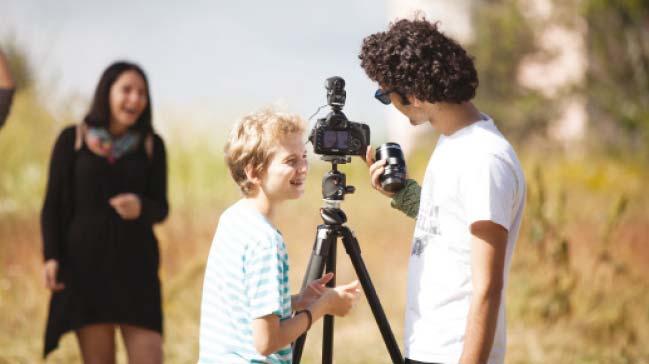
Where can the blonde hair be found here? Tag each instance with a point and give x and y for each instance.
(251, 143)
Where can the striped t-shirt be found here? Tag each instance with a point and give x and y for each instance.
(246, 278)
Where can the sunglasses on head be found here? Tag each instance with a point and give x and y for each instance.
(384, 96)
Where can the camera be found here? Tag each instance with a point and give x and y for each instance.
(335, 135)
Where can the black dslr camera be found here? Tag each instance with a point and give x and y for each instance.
(334, 135)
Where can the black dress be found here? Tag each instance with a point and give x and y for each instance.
(109, 265)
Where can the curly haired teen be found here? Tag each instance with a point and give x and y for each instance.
(469, 207)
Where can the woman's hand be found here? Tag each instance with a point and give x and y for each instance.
(312, 292)
(50, 271)
(127, 205)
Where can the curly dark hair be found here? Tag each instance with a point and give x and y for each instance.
(414, 58)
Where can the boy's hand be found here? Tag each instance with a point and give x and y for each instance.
(127, 205)
(341, 299)
(376, 169)
(312, 292)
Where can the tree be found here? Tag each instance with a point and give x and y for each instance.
(503, 37)
(618, 74)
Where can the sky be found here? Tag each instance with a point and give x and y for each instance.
(207, 61)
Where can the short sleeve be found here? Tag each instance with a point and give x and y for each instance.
(488, 189)
(263, 278)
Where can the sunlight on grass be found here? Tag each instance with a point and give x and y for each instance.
(578, 291)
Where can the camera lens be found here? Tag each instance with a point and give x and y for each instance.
(394, 177)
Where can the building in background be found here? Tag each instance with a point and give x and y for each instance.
(559, 67)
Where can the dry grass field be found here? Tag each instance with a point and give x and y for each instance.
(578, 290)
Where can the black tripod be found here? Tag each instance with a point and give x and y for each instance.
(323, 256)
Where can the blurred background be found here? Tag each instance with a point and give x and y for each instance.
(567, 81)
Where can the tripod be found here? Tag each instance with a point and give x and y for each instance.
(323, 257)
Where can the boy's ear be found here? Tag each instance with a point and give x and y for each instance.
(252, 175)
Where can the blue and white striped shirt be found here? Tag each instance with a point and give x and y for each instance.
(246, 278)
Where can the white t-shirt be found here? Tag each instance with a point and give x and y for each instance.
(473, 175)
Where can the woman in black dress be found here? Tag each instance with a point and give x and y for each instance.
(107, 187)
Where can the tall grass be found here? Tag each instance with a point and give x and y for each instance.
(578, 291)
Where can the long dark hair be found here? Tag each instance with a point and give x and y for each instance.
(99, 114)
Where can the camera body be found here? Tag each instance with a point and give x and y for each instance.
(335, 135)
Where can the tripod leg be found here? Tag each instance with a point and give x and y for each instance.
(324, 240)
(328, 325)
(354, 252)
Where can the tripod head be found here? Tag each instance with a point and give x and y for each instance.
(334, 182)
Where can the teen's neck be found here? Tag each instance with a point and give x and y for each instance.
(449, 118)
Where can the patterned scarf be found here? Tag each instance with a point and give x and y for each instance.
(101, 142)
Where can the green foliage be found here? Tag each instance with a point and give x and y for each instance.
(25, 140)
(21, 69)
(503, 37)
(25, 144)
(618, 75)
(569, 268)
(617, 79)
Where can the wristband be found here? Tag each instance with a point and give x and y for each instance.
(309, 317)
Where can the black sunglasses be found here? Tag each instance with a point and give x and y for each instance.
(384, 96)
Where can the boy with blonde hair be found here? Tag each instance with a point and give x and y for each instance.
(246, 311)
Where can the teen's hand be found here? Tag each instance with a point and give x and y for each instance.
(127, 205)
(376, 169)
(341, 299)
(49, 272)
(312, 292)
